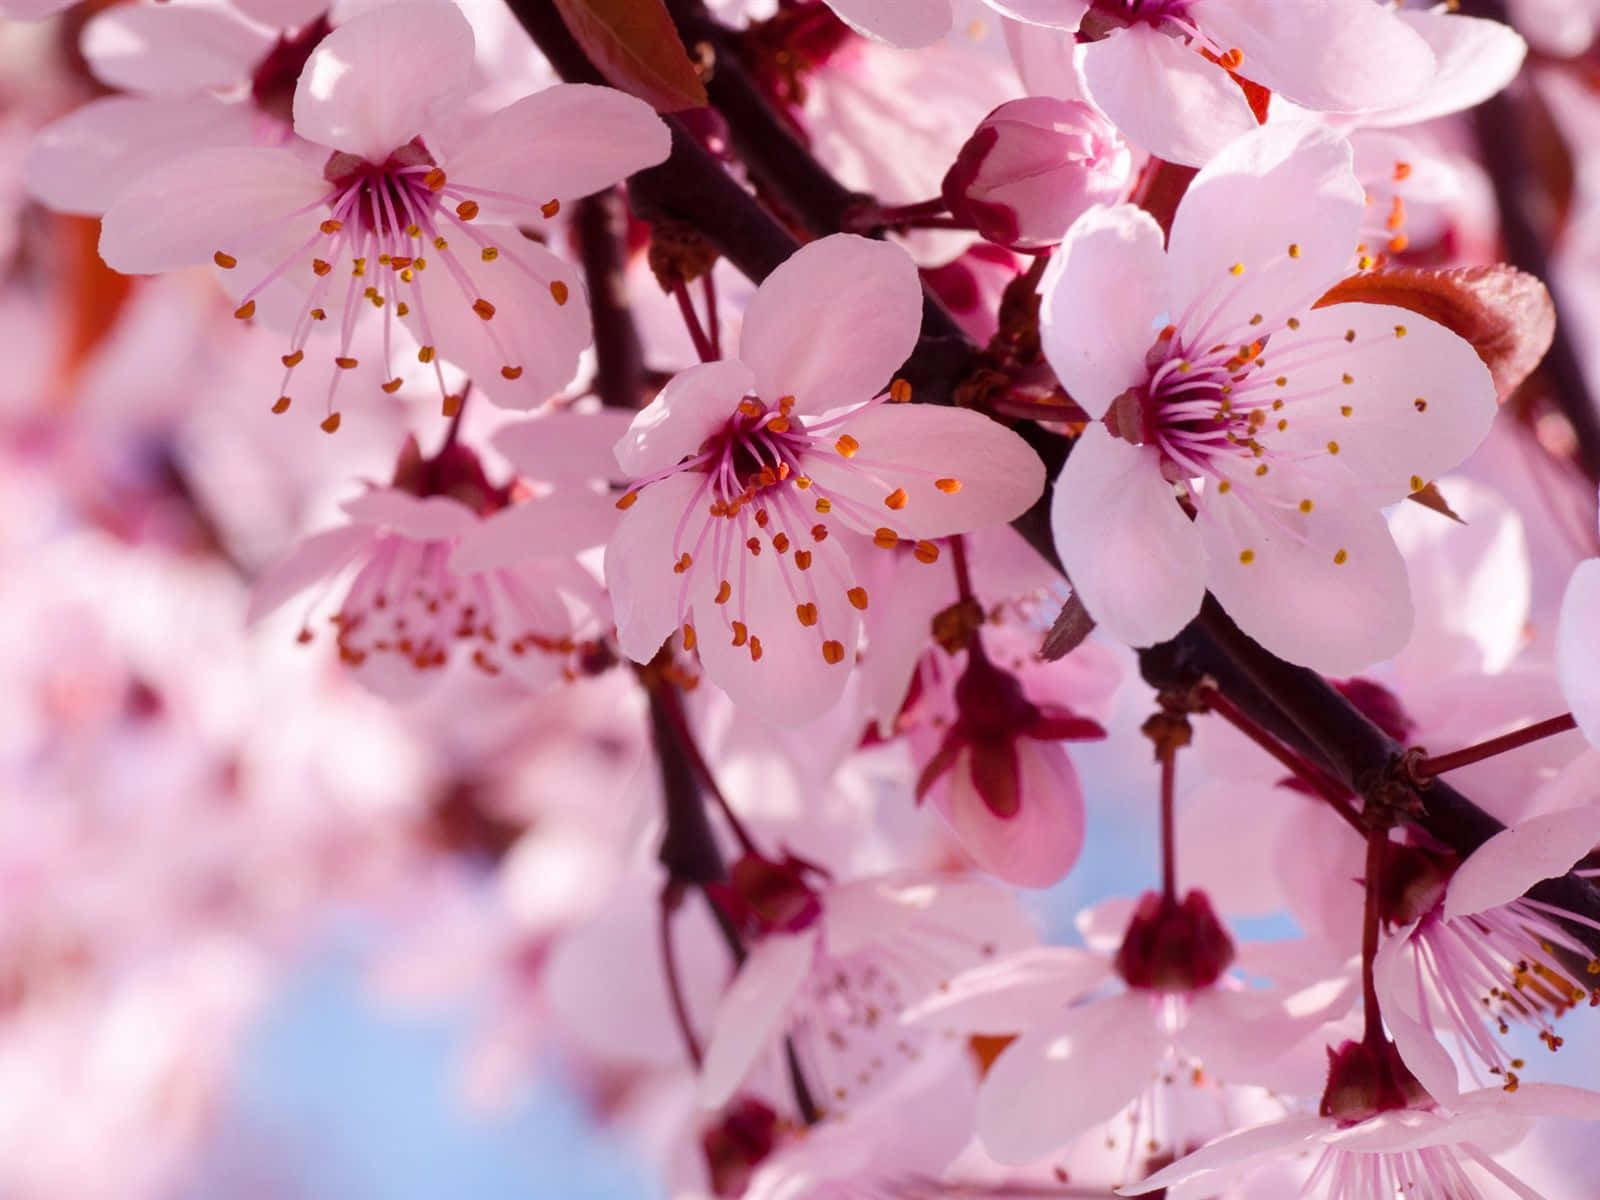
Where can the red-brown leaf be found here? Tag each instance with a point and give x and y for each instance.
(636, 46)
(1505, 313)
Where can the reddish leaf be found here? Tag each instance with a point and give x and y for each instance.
(1431, 497)
(636, 46)
(1505, 313)
(1071, 626)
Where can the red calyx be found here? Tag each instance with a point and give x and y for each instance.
(1367, 1078)
(455, 471)
(738, 1143)
(1173, 946)
(763, 896)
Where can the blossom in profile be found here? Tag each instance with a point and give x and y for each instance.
(399, 197)
(1245, 439)
(754, 479)
(449, 568)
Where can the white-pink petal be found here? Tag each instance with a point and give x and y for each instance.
(833, 323)
(910, 24)
(1327, 590)
(567, 141)
(1057, 1081)
(1476, 58)
(1036, 846)
(370, 86)
(172, 49)
(556, 526)
(1021, 991)
(422, 518)
(1394, 975)
(183, 212)
(912, 449)
(1233, 1151)
(1578, 647)
(696, 403)
(316, 558)
(565, 445)
(1134, 558)
(1513, 860)
(1100, 302)
(638, 566)
(283, 14)
(1229, 255)
(753, 1012)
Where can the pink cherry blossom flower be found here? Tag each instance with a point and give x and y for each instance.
(1428, 1152)
(1482, 956)
(836, 965)
(1087, 1053)
(1032, 167)
(33, 10)
(1283, 427)
(450, 567)
(378, 204)
(753, 479)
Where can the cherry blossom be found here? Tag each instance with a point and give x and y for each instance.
(389, 180)
(1578, 651)
(752, 478)
(1284, 425)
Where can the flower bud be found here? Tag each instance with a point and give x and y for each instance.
(1032, 166)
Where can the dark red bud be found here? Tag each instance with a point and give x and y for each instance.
(1174, 947)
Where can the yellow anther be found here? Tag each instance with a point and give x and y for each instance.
(846, 446)
(858, 597)
(926, 552)
(451, 405)
(1347, 378)
(282, 405)
(433, 180)
(1346, 410)
(1305, 506)
(741, 633)
(489, 254)
(807, 613)
(802, 559)
(1294, 249)
(625, 501)
(1333, 447)
(1247, 557)
(550, 208)
(394, 385)
(1236, 269)
(558, 291)
(1420, 404)
(948, 486)
(293, 360)
(885, 538)
(1340, 558)
(346, 363)
(318, 314)
(1418, 483)
(900, 391)
(226, 261)
(483, 308)
(425, 354)
(1224, 487)
(833, 652)
(330, 423)
(246, 310)
(688, 636)
(895, 499)
(467, 209)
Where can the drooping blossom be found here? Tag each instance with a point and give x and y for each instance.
(1032, 167)
(379, 204)
(450, 566)
(1106, 1030)
(1221, 391)
(833, 967)
(1474, 956)
(754, 477)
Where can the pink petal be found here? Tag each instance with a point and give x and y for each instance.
(1053, 14)
(1578, 647)
(33, 10)
(1279, 186)
(1038, 845)
(80, 163)
(1394, 974)
(792, 680)
(638, 566)
(369, 85)
(1537, 1100)
(1054, 1083)
(172, 49)
(1389, 441)
(1328, 55)
(181, 213)
(752, 1014)
(565, 445)
(1132, 555)
(911, 24)
(282, 14)
(1234, 861)
(911, 448)
(425, 518)
(317, 557)
(1100, 301)
(1234, 1150)
(696, 403)
(1019, 992)
(833, 323)
(560, 144)
(1476, 58)
(1326, 590)
(947, 915)
(1513, 860)
(1164, 97)
(530, 330)
(555, 526)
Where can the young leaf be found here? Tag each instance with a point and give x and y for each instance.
(636, 46)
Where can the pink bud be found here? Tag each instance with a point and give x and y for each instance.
(1032, 166)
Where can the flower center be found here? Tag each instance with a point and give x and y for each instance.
(1174, 947)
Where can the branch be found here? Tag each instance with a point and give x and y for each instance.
(601, 225)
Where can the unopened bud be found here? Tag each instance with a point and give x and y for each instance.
(1032, 167)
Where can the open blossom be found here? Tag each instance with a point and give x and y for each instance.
(449, 566)
(1225, 393)
(1482, 956)
(754, 478)
(834, 966)
(397, 197)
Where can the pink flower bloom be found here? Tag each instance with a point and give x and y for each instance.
(33, 10)
(1483, 956)
(450, 567)
(1283, 427)
(755, 477)
(380, 203)
(1426, 1152)
(834, 968)
(1032, 167)
(1085, 1054)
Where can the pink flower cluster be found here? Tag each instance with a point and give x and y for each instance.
(820, 567)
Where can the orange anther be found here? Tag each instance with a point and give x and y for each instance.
(330, 423)
(226, 261)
